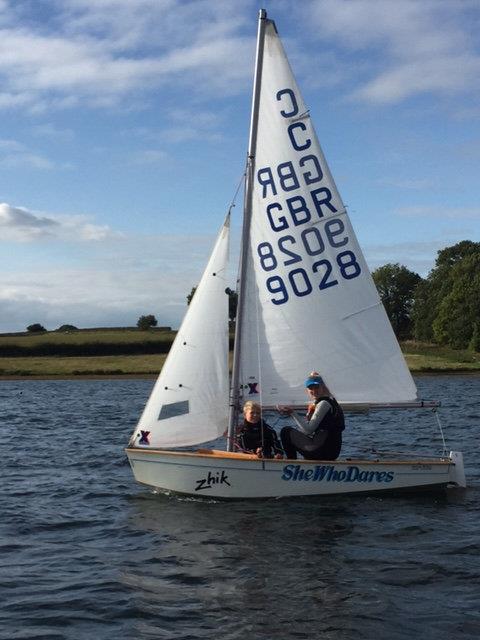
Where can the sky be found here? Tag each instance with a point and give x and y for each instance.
(124, 129)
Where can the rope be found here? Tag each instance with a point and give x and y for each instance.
(441, 432)
(233, 441)
(259, 369)
(232, 204)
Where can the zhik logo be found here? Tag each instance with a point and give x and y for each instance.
(211, 479)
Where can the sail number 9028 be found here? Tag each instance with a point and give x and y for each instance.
(292, 250)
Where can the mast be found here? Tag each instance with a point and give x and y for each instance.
(247, 214)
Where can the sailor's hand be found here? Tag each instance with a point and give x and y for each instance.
(278, 456)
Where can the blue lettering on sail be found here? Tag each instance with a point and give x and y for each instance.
(298, 209)
(295, 138)
(310, 177)
(279, 223)
(265, 178)
(286, 96)
(328, 473)
(322, 196)
(289, 250)
(288, 177)
(292, 202)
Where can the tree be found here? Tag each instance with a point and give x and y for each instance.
(396, 286)
(458, 311)
(191, 294)
(232, 304)
(474, 344)
(146, 322)
(447, 303)
(67, 327)
(35, 328)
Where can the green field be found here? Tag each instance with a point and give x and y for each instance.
(123, 352)
(426, 358)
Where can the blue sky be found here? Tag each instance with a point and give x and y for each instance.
(123, 133)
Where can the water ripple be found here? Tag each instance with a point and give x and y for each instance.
(87, 553)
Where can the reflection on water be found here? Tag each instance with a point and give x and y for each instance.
(235, 558)
(91, 554)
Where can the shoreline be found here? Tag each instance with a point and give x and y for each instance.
(82, 376)
(153, 376)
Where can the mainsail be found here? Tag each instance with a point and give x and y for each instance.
(309, 301)
(189, 401)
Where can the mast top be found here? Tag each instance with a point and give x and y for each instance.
(262, 14)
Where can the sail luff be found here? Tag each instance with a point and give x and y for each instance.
(245, 243)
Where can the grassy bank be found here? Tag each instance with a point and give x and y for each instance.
(86, 342)
(61, 367)
(112, 352)
(430, 358)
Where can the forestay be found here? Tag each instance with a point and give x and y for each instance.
(310, 301)
(189, 401)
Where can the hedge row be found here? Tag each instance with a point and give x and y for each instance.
(87, 349)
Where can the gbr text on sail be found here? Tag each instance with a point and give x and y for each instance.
(309, 248)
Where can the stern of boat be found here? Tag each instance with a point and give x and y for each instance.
(456, 476)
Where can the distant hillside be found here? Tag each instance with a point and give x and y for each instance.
(130, 351)
(87, 342)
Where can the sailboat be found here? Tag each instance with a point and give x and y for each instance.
(306, 301)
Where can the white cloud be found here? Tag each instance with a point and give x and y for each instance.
(102, 52)
(14, 154)
(421, 47)
(49, 130)
(105, 52)
(183, 125)
(20, 225)
(416, 256)
(121, 279)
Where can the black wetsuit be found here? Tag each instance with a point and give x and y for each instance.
(324, 444)
(250, 439)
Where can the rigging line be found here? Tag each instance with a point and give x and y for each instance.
(260, 380)
(242, 178)
(441, 432)
(231, 439)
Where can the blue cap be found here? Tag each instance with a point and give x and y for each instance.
(313, 380)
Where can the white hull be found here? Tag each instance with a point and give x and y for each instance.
(229, 475)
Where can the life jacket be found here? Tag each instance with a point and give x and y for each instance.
(334, 420)
(250, 438)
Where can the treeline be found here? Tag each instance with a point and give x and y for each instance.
(65, 349)
(80, 343)
(443, 308)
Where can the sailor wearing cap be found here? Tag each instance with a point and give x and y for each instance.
(319, 434)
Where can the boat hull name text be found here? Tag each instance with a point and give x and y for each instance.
(328, 473)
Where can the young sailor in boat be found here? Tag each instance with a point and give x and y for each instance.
(256, 435)
(319, 434)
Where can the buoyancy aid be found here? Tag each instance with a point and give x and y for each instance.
(334, 420)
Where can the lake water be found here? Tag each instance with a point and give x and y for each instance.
(86, 553)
